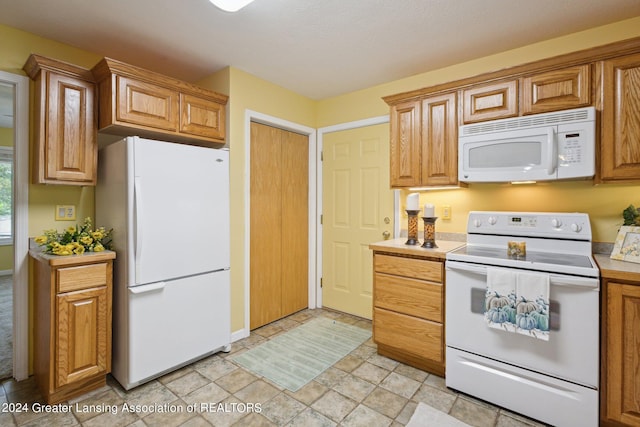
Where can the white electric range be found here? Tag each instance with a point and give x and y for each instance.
(555, 380)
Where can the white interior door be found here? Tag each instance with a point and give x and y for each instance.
(357, 208)
(181, 210)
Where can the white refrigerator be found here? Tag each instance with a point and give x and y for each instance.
(168, 205)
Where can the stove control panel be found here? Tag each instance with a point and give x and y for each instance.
(559, 225)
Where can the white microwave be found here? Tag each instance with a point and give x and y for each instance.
(540, 147)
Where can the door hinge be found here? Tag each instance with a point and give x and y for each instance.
(321, 218)
(322, 156)
(321, 282)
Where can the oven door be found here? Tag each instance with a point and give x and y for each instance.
(570, 354)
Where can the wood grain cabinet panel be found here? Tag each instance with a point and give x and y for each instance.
(139, 101)
(620, 124)
(490, 101)
(439, 139)
(408, 310)
(66, 131)
(557, 90)
(621, 355)
(72, 326)
(405, 144)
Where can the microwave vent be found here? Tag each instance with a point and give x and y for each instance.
(537, 120)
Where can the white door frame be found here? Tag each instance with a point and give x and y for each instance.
(254, 116)
(337, 128)
(20, 224)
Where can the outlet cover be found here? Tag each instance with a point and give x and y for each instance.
(65, 212)
(446, 212)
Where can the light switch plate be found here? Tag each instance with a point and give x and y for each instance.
(446, 212)
(65, 212)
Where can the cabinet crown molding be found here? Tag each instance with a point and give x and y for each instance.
(36, 63)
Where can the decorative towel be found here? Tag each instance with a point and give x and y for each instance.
(500, 299)
(532, 307)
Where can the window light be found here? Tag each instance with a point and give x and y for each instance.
(230, 5)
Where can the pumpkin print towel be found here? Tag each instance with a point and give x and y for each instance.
(500, 299)
(532, 306)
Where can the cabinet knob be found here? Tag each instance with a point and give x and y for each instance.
(386, 235)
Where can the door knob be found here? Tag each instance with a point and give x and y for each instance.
(387, 220)
(386, 235)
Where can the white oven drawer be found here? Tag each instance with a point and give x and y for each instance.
(556, 402)
(572, 350)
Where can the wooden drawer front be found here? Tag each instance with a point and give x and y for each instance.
(556, 90)
(409, 296)
(409, 267)
(81, 277)
(201, 117)
(409, 334)
(488, 102)
(146, 104)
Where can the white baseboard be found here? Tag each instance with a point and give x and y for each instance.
(238, 335)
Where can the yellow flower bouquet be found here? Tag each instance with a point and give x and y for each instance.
(75, 240)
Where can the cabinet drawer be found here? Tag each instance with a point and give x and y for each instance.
(409, 267)
(490, 102)
(409, 296)
(419, 337)
(81, 277)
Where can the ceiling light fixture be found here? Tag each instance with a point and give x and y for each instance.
(230, 5)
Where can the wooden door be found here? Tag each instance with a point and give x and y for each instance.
(355, 202)
(619, 147)
(405, 144)
(623, 353)
(82, 336)
(279, 222)
(439, 140)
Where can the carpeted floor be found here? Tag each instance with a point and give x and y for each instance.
(6, 326)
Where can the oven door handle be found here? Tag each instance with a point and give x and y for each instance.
(554, 279)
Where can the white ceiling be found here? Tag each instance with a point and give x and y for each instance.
(317, 48)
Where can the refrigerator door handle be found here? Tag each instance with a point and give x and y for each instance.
(137, 184)
(147, 288)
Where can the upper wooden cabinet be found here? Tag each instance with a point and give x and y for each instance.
(65, 115)
(490, 101)
(424, 142)
(619, 80)
(556, 90)
(405, 144)
(439, 141)
(135, 100)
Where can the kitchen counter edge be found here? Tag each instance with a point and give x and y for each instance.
(617, 270)
(62, 260)
(398, 246)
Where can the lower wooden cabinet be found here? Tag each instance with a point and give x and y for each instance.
(620, 372)
(72, 330)
(408, 312)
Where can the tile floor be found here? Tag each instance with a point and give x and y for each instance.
(362, 389)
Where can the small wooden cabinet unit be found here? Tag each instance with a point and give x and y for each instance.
(66, 149)
(72, 328)
(408, 310)
(555, 90)
(135, 100)
(620, 343)
(424, 142)
(490, 101)
(620, 124)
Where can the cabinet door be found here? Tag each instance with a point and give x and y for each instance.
(620, 124)
(405, 144)
(623, 353)
(146, 104)
(439, 140)
(201, 117)
(82, 339)
(557, 90)
(489, 102)
(68, 153)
